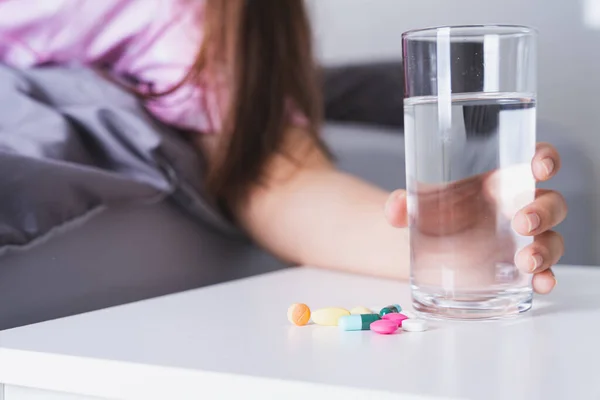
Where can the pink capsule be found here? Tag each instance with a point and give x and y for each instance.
(395, 317)
(384, 327)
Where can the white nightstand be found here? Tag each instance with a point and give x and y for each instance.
(233, 341)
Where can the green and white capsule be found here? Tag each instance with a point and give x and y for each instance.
(360, 322)
(394, 308)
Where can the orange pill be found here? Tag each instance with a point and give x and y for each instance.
(299, 314)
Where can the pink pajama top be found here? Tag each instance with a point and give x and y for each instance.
(153, 42)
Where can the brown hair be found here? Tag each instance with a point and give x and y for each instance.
(263, 49)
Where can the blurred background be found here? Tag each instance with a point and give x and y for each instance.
(364, 31)
(160, 235)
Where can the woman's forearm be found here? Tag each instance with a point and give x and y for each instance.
(321, 217)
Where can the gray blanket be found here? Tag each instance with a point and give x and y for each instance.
(71, 144)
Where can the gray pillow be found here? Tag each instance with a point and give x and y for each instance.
(72, 144)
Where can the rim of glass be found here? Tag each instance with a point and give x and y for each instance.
(470, 31)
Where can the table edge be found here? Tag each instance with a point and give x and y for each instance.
(125, 380)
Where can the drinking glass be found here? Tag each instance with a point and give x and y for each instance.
(470, 131)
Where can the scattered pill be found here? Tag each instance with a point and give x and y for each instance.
(386, 322)
(361, 310)
(298, 314)
(414, 325)
(384, 327)
(357, 322)
(394, 308)
(396, 317)
(329, 316)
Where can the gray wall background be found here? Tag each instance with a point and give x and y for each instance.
(569, 52)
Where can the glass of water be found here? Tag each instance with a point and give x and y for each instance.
(470, 131)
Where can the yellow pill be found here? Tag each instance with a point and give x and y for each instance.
(299, 314)
(361, 310)
(329, 316)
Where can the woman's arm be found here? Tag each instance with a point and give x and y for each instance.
(309, 213)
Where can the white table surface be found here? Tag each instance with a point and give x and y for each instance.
(233, 341)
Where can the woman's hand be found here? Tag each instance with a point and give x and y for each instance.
(460, 210)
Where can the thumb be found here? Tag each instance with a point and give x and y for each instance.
(395, 209)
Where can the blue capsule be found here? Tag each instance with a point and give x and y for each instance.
(394, 308)
(361, 322)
